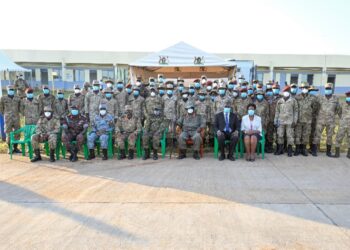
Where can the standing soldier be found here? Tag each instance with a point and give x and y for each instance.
(60, 106)
(180, 88)
(92, 101)
(262, 109)
(271, 129)
(153, 100)
(344, 127)
(10, 109)
(242, 104)
(45, 99)
(329, 108)
(74, 128)
(286, 118)
(181, 107)
(203, 109)
(30, 108)
(192, 126)
(313, 94)
(21, 85)
(101, 125)
(230, 88)
(211, 120)
(221, 99)
(47, 128)
(121, 96)
(192, 93)
(127, 129)
(77, 99)
(154, 127)
(110, 103)
(86, 88)
(137, 103)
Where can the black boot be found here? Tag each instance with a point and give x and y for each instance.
(279, 149)
(290, 151)
(337, 152)
(146, 155)
(196, 155)
(222, 156)
(52, 155)
(71, 154)
(314, 150)
(329, 152)
(122, 154)
(131, 154)
(297, 150)
(155, 154)
(15, 149)
(91, 154)
(348, 155)
(303, 150)
(182, 154)
(37, 156)
(269, 148)
(75, 156)
(104, 154)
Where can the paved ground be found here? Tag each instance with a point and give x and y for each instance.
(276, 203)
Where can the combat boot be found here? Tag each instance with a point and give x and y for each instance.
(104, 154)
(52, 155)
(348, 155)
(146, 154)
(314, 150)
(131, 154)
(329, 152)
(290, 150)
(37, 156)
(297, 150)
(303, 150)
(337, 152)
(196, 155)
(15, 149)
(91, 154)
(182, 154)
(71, 154)
(122, 154)
(155, 154)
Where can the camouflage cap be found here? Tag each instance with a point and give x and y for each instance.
(304, 85)
(202, 92)
(86, 84)
(328, 85)
(108, 90)
(102, 106)
(128, 108)
(60, 91)
(44, 86)
(189, 105)
(29, 90)
(10, 86)
(76, 86)
(293, 85)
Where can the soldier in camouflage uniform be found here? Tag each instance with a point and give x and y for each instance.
(47, 128)
(21, 85)
(110, 103)
(262, 108)
(286, 118)
(153, 129)
(137, 103)
(313, 94)
(273, 96)
(10, 109)
(30, 108)
(221, 99)
(211, 120)
(203, 109)
(45, 99)
(86, 88)
(231, 86)
(192, 96)
(170, 110)
(101, 125)
(242, 103)
(197, 87)
(303, 128)
(329, 108)
(127, 128)
(77, 99)
(153, 100)
(121, 96)
(60, 106)
(344, 127)
(181, 106)
(161, 89)
(92, 101)
(74, 127)
(180, 88)
(192, 126)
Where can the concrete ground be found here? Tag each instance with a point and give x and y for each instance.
(276, 203)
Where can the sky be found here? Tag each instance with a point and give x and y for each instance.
(220, 26)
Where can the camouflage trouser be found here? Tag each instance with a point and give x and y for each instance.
(289, 131)
(37, 139)
(343, 130)
(302, 133)
(313, 130)
(329, 131)
(122, 137)
(169, 124)
(92, 137)
(196, 138)
(68, 137)
(11, 124)
(270, 132)
(155, 136)
(210, 130)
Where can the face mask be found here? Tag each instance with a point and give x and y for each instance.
(293, 90)
(11, 92)
(109, 95)
(221, 92)
(244, 95)
(260, 97)
(161, 92)
(286, 94)
(312, 92)
(328, 92)
(190, 111)
(138, 84)
(95, 88)
(191, 91)
(235, 94)
(103, 112)
(275, 91)
(254, 86)
(109, 85)
(153, 93)
(60, 96)
(156, 112)
(75, 112)
(204, 81)
(46, 91)
(201, 97)
(128, 90)
(304, 91)
(77, 91)
(30, 95)
(227, 110)
(181, 88)
(251, 112)
(161, 80)
(244, 87)
(136, 93)
(47, 114)
(185, 96)
(347, 99)
(230, 86)
(120, 86)
(197, 85)
(169, 92)
(268, 86)
(269, 93)
(250, 91)
(209, 88)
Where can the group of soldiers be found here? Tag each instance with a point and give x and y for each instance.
(293, 118)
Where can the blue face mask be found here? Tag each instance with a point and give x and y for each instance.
(169, 92)
(161, 92)
(328, 92)
(227, 110)
(254, 86)
(230, 86)
(250, 91)
(75, 112)
(95, 88)
(293, 90)
(251, 112)
(181, 88)
(244, 95)
(213, 98)
(260, 97)
(60, 96)
(269, 93)
(120, 86)
(347, 99)
(136, 93)
(201, 97)
(30, 95)
(11, 92)
(275, 91)
(46, 91)
(191, 91)
(244, 87)
(221, 92)
(108, 95)
(312, 92)
(197, 85)
(128, 90)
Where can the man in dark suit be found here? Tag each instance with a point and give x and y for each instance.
(227, 127)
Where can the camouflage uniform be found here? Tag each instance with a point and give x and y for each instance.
(111, 104)
(92, 103)
(203, 109)
(170, 112)
(30, 111)
(344, 126)
(138, 106)
(45, 101)
(154, 127)
(74, 128)
(60, 108)
(262, 110)
(270, 131)
(77, 100)
(151, 102)
(303, 127)
(21, 85)
(241, 106)
(220, 103)
(122, 98)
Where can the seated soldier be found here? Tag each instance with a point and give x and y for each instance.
(127, 128)
(74, 127)
(102, 124)
(47, 128)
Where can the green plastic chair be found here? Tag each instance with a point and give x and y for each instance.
(28, 131)
(162, 144)
(260, 147)
(216, 147)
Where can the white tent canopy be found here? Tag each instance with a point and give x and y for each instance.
(181, 60)
(6, 64)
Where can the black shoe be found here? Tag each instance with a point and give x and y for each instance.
(329, 151)
(155, 154)
(279, 149)
(269, 148)
(182, 154)
(222, 157)
(91, 154)
(52, 155)
(15, 149)
(131, 154)
(303, 150)
(314, 150)
(231, 157)
(104, 154)
(146, 154)
(348, 155)
(337, 153)
(71, 155)
(37, 156)
(196, 155)
(297, 150)
(290, 151)
(122, 154)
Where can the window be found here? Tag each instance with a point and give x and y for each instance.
(93, 75)
(294, 78)
(310, 79)
(260, 76)
(58, 75)
(78, 75)
(107, 74)
(331, 78)
(44, 76)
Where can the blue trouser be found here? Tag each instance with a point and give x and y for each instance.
(92, 137)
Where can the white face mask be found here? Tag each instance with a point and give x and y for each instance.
(204, 81)
(235, 94)
(209, 88)
(47, 114)
(185, 95)
(305, 91)
(103, 112)
(138, 84)
(190, 111)
(286, 94)
(109, 85)
(153, 94)
(76, 91)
